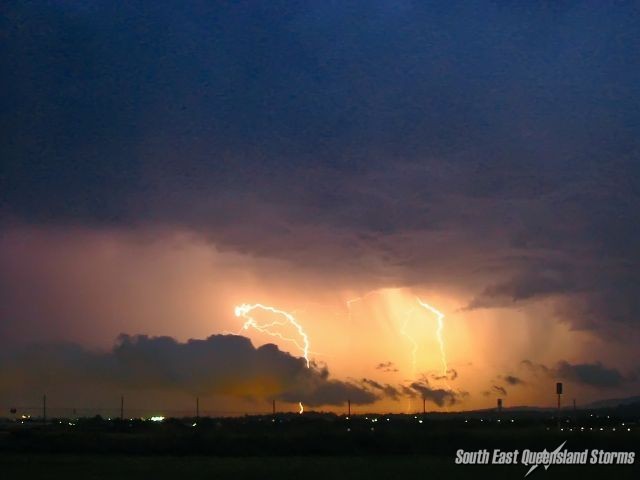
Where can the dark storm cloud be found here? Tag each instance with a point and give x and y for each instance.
(408, 391)
(221, 364)
(387, 390)
(595, 295)
(489, 144)
(439, 396)
(590, 374)
(510, 381)
(534, 283)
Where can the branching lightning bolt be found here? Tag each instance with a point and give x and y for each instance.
(245, 310)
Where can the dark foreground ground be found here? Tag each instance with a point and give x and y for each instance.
(88, 467)
(311, 446)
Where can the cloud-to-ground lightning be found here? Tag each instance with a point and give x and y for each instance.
(440, 316)
(403, 330)
(245, 310)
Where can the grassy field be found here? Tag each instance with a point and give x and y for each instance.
(89, 467)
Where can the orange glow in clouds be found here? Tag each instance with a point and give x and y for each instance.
(413, 334)
(285, 319)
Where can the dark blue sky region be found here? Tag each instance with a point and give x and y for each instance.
(319, 132)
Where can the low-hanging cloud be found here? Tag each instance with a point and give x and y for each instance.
(387, 390)
(221, 364)
(439, 396)
(589, 374)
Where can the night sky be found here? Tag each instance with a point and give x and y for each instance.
(163, 162)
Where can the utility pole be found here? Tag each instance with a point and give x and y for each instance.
(349, 407)
(122, 407)
(44, 408)
(559, 393)
(424, 406)
(197, 408)
(274, 407)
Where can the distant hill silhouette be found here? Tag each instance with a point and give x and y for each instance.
(606, 403)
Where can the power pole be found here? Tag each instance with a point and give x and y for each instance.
(349, 407)
(424, 406)
(197, 408)
(559, 393)
(274, 407)
(122, 407)
(44, 409)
